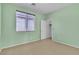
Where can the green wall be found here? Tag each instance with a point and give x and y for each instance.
(66, 25)
(9, 35)
(0, 24)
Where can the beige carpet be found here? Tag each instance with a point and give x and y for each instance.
(42, 47)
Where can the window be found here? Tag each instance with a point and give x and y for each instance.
(24, 21)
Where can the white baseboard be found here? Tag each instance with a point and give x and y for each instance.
(19, 44)
(67, 44)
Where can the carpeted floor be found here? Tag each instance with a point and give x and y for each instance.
(42, 47)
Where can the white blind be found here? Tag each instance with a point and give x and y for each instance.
(25, 21)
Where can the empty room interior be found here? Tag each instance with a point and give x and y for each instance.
(39, 28)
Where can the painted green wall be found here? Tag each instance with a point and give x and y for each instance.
(66, 25)
(0, 24)
(9, 35)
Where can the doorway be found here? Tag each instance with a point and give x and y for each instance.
(50, 31)
(43, 29)
(46, 29)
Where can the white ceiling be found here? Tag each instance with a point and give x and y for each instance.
(44, 8)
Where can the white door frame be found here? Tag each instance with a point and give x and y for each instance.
(43, 29)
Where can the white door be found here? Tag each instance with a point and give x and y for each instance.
(43, 29)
